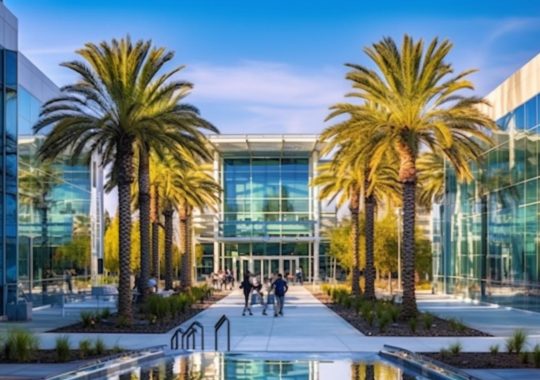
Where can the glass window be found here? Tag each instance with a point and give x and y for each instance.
(519, 117)
(518, 169)
(295, 185)
(531, 157)
(237, 185)
(11, 68)
(531, 113)
(295, 164)
(295, 205)
(531, 191)
(265, 184)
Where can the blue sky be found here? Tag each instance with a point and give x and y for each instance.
(276, 66)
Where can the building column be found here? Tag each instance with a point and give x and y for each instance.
(316, 216)
(217, 215)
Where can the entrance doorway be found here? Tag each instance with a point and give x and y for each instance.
(265, 266)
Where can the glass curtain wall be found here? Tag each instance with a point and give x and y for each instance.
(8, 187)
(266, 197)
(54, 223)
(489, 229)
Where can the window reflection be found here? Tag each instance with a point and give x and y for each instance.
(488, 229)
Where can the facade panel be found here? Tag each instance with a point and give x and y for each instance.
(486, 234)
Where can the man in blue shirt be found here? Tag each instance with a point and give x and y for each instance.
(280, 287)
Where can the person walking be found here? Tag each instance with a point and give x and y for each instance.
(299, 276)
(68, 280)
(247, 287)
(280, 288)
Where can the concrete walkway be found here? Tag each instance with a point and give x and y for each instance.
(309, 326)
(493, 319)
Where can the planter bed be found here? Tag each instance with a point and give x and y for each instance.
(482, 360)
(440, 327)
(140, 324)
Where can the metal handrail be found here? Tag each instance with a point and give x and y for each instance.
(174, 338)
(217, 326)
(191, 330)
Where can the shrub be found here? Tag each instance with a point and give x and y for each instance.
(428, 320)
(384, 320)
(88, 318)
(105, 313)
(516, 343)
(158, 306)
(123, 321)
(99, 346)
(455, 348)
(20, 345)
(394, 312)
(380, 309)
(366, 309)
(370, 318)
(412, 324)
(358, 303)
(536, 356)
(444, 353)
(347, 302)
(117, 349)
(85, 348)
(62, 348)
(494, 349)
(457, 325)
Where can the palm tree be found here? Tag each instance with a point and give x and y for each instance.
(182, 134)
(183, 186)
(197, 189)
(119, 101)
(374, 186)
(338, 181)
(414, 103)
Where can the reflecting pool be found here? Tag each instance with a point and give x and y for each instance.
(276, 366)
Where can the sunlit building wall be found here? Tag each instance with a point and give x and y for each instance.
(487, 232)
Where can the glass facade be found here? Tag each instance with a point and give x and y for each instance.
(270, 219)
(266, 197)
(54, 221)
(486, 233)
(8, 172)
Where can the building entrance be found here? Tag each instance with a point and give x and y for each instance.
(265, 266)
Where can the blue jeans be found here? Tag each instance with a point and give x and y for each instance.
(280, 300)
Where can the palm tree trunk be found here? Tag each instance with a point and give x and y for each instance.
(155, 233)
(407, 176)
(355, 231)
(168, 213)
(369, 208)
(44, 214)
(189, 252)
(125, 179)
(183, 244)
(144, 220)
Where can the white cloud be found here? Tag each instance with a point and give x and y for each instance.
(266, 96)
(266, 83)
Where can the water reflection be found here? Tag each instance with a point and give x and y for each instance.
(219, 366)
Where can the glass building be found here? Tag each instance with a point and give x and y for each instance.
(269, 219)
(40, 231)
(56, 218)
(487, 232)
